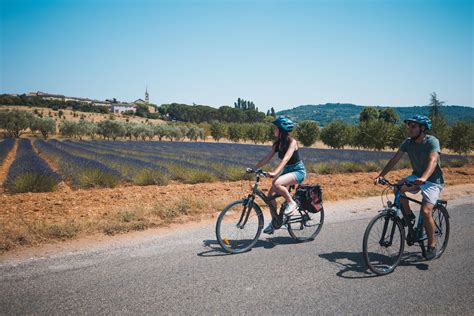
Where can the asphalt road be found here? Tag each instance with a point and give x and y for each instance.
(185, 273)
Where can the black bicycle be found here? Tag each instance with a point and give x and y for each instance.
(240, 223)
(384, 238)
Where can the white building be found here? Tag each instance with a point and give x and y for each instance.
(122, 107)
(60, 97)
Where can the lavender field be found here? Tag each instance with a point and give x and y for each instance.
(85, 164)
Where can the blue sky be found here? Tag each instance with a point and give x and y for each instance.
(275, 53)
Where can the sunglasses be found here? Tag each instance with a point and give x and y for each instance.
(412, 125)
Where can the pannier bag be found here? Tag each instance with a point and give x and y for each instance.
(310, 197)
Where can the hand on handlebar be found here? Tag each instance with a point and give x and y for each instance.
(419, 181)
(380, 180)
(377, 179)
(258, 171)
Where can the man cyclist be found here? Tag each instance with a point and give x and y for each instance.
(423, 151)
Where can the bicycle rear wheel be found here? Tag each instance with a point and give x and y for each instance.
(239, 226)
(383, 244)
(305, 226)
(441, 220)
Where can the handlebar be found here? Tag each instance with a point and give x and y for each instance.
(384, 181)
(259, 172)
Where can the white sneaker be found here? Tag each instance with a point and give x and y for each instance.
(290, 209)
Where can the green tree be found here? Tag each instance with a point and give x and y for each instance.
(68, 129)
(272, 112)
(46, 126)
(218, 131)
(235, 132)
(389, 115)
(193, 133)
(307, 132)
(256, 132)
(462, 137)
(335, 134)
(375, 134)
(162, 131)
(91, 129)
(111, 129)
(398, 136)
(440, 128)
(128, 127)
(142, 131)
(83, 128)
(176, 133)
(15, 122)
(369, 113)
(142, 110)
(202, 134)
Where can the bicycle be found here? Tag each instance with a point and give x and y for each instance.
(387, 229)
(240, 223)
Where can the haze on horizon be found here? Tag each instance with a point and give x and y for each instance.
(274, 53)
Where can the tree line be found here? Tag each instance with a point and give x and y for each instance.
(204, 113)
(244, 111)
(382, 128)
(377, 129)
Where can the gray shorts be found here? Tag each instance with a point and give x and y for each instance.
(430, 191)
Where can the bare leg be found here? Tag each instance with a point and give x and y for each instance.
(280, 184)
(405, 203)
(428, 222)
(272, 193)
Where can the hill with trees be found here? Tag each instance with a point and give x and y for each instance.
(349, 113)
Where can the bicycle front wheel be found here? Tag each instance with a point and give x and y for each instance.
(305, 226)
(383, 245)
(239, 226)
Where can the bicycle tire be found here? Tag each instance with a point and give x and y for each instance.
(372, 260)
(296, 229)
(227, 241)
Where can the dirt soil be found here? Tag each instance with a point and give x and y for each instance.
(5, 166)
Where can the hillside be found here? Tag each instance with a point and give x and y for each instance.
(349, 113)
(71, 115)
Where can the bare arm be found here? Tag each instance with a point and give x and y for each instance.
(391, 163)
(266, 159)
(286, 158)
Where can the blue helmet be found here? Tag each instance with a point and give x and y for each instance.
(420, 119)
(284, 124)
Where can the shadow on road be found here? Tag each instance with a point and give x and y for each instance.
(353, 265)
(215, 250)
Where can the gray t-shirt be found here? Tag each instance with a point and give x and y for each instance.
(419, 154)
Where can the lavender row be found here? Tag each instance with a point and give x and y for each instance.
(82, 172)
(30, 173)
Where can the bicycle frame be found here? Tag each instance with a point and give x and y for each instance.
(276, 216)
(411, 228)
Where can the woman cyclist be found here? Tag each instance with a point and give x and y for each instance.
(291, 166)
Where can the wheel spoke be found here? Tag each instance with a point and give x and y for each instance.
(234, 237)
(380, 256)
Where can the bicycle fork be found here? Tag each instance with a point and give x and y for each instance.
(244, 216)
(383, 242)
